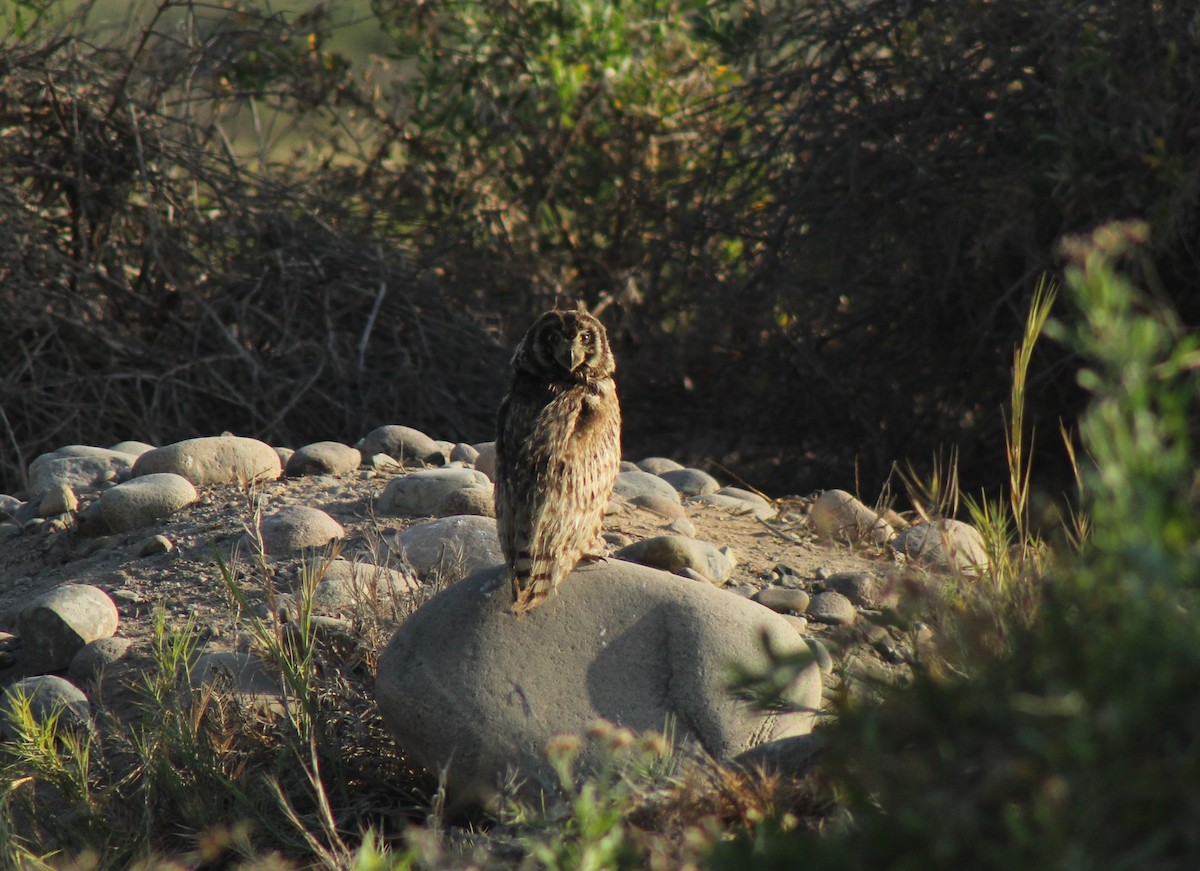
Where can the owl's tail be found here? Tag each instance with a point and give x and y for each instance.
(531, 582)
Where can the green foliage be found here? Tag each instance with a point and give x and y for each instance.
(1073, 747)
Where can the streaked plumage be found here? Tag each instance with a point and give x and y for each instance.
(558, 451)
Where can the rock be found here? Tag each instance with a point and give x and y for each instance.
(472, 500)
(48, 695)
(9, 506)
(798, 623)
(673, 553)
(683, 526)
(80, 467)
(464, 453)
(791, 757)
(238, 676)
(95, 656)
(348, 586)
(745, 496)
(451, 547)
(486, 461)
(143, 500)
(691, 482)
(409, 446)
(658, 465)
(781, 599)
(133, 448)
(658, 504)
(467, 686)
(154, 545)
(213, 460)
(833, 608)
(838, 515)
(59, 622)
(59, 499)
(636, 483)
(323, 458)
(944, 544)
(419, 494)
(733, 504)
(820, 654)
(285, 455)
(296, 527)
(863, 589)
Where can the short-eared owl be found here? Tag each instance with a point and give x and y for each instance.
(558, 451)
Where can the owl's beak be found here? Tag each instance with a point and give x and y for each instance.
(570, 358)
(578, 353)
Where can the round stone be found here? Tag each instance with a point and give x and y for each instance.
(472, 500)
(48, 695)
(451, 547)
(658, 465)
(691, 482)
(782, 599)
(61, 621)
(323, 458)
(410, 447)
(213, 460)
(636, 483)
(838, 515)
(420, 494)
(297, 527)
(944, 544)
(673, 553)
(143, 500)
(833, 608)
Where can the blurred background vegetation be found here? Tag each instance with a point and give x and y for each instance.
(814, 228)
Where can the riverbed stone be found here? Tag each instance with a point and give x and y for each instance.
(141, 501)
(323, 458)
(55, 625)
(220, 459)
(471, 689)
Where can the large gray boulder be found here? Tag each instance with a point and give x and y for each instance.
(467, 684)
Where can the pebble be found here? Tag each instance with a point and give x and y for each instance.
(95, 656)
(49, 696)
(323, 458)
(636, 483)
(450, 548)
(296, 527)
(80, 467)
(464, 453)
(59, 499)
(798, 623)
(832, 608)
(683, 526)
(658, 504)
(472, 500)
(155, 545)
(746, 496)
(944, 544)
(145, 499)
(9, 505)
(486, 461)
(658, 465)
(673, 553)
(733, 505)
(782, 599)
(410, 447)
(861, 588)
(691, 482)
(839, 516)
(820, 654)
(55, 625)
(238, 676)
(419, 494)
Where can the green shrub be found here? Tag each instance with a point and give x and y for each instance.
(1074, 747)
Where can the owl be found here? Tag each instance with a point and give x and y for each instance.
(558, 451)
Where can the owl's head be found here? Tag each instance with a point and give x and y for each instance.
(566, 345)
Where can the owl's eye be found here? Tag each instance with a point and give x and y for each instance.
(586, 336)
